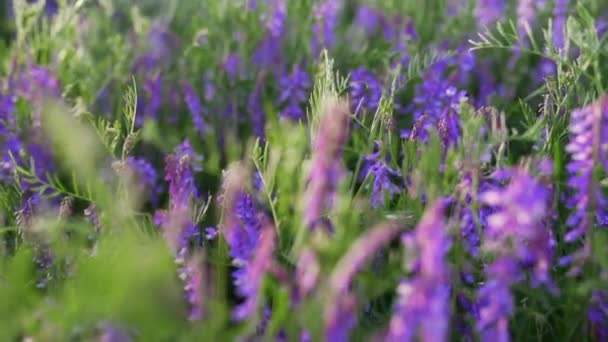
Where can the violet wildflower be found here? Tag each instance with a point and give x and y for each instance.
(488, 12)
(196, 107)
(515, 233)
(369, 19)
(326, 163)
(386, 180)
(560, 15)
(598, 314)
(250, 237)
(307, 273)
(268, 52)
(588, 150)
(176, 223)
(153, 88)
(526, 16)
(340, 315)
(423, 308)
(256, 109)
(145, 177)
(437, 105)
(231, 66)
(325, 16)
(294, 93)
(366, 90)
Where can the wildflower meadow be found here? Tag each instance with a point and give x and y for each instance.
(303, 170)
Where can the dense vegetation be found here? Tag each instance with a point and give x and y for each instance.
(306, 170)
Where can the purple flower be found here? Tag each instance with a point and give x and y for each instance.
(365, 90)
(153, 88)
(423, 308)
(176, 223)
(326, 163)
(369, 19)
(386, 179)
(196, 107)
(275, 22)
(560, 15)
(488, 12)
(598, 314)
(340, 310)
(325, 16)
(256, 109)
(588, 150)
(517, 236)
(294, 93)
(250, 237)
(146, 177)
(232, 65)
(437, 105)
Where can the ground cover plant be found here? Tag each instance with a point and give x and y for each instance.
(303, 170)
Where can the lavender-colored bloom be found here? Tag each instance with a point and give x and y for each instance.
(526, 16)
(196, 107)
(177, 225)
(325, 15)
(256, 109)
(7, 118)
(153, 88)
(369, 19)
(423, 309)
(365, 91)
(232, 65)
(294, 94)
(250, 237)
(488, 12)
(340, 310)
(437, 105)
(326, 163)
(275, 22)
(146, 177)
(588, 149)
(386, 179)
(598, 314)
(249, 280)
(307, 272)
(517, 235)
(114, 333)
(560, 15)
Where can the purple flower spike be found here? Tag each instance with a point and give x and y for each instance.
(366, 91)
(176, 223)
(387, 181)
(196, 107)
(340, 315)
(560, 15)
(588, 149)
(423, 309)
(325, 15)
(488, 12)
(294, 94)
(517, 235)
(326, 164)
(598, 314)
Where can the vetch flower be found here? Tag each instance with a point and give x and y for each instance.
(423, 307)
(517, 236)
(487, 12)
(176, 223)
(294, 93)
(560, 15)
(386, 180)
(365, 91)
(340, 315)
(588, 148)
(195, 106)
(326, 164)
